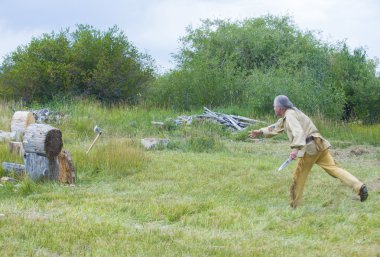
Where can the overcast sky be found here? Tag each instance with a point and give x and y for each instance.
(156, 26)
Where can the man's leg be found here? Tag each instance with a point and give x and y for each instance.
(300, 174)
(326, 161)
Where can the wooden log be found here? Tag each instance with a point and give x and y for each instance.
(20, 121)
(67, 172)
(158, 123)
(232, 121)
(53, 172)
(39, 167)
(36, 166)
(16, 147)
(10, 167)
(43, 139)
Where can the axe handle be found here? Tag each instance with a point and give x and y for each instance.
(96, 138)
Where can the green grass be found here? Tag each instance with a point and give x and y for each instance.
(182, 201)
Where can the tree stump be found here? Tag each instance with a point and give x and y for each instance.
(67, 172)
(20, 121)
(39, 167)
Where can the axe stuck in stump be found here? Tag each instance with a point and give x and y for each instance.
(99, 132)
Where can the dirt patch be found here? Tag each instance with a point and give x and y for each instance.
(358, 151)
(353, 151)
(374, 185)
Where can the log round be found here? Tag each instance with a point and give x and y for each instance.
(20, 121)
(43, 139)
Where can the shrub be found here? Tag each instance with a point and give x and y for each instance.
(86, 62)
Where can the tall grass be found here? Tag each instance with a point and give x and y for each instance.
(7, 109)
(344, 134)
(115, 157)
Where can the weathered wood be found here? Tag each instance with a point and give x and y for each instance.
(10, 167)
(36, 166)
(67, 173)
(248, 120)
(223, 118)
(39, 167)
(20, 121)
(150, 143)
(158, 123)
(53, 172)
(232, 121)
(43, 139)
(16, 147)
(7, 180)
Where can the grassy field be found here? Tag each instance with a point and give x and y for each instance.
(209, 193)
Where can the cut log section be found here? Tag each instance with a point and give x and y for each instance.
(20, 121)
(67, 172)
(10, 167)
(39, 167)
(43, 139)
(16, 147)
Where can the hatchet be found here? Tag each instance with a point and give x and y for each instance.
(99, 132)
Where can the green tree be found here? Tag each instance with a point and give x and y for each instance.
(355, 76)
(246, 63)
(86, 62)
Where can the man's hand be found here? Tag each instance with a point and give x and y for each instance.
(293, 153)
(254, 133)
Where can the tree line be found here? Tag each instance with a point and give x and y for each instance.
(219, 64)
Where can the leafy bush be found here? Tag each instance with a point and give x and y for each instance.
(247, 63)
(86, 62)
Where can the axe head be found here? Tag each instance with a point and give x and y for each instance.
(97, 130)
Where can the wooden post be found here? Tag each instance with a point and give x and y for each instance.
(20, 121)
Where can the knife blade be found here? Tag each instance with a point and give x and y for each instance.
(284, 164)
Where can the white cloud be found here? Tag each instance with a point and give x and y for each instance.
(11, 39)
(156, 26)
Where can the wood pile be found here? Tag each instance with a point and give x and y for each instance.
(45, 116)
(41, 149)
(232, 121)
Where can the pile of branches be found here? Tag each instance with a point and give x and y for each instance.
(45, 115)
(232, 121)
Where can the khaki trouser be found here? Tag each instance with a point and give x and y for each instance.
(325, 161)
